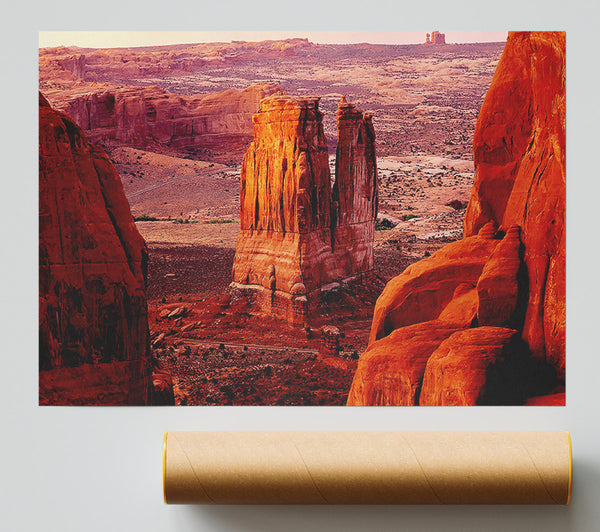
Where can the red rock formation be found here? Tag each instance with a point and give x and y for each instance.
(519, 154)
(435, 38)
(462, 309)
(296, 236)
(114, 65)
(218, 124)
(390, 371)
(513, 278)
(500, 284)
(64, 66)
(424, 289)
(93, 312)
(481, 366)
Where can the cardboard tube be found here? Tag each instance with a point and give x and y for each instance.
(367, 467)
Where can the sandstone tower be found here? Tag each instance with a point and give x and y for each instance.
(435, 38)
(299, 234)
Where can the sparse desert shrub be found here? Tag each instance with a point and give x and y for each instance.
(184, 221)
(144, 218)
(457, 205)
(407, 217)
(220, 221)
(383, 224)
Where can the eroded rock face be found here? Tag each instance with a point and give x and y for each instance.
(390, 372)
(218, 124)
(503, 285)
(93, 311)
(519, 154)
(481, 366)
(297, 234)
(423, 290)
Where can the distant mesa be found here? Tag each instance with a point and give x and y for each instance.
(300, 237)
(482, 321)
(435, 38)
(217, 124)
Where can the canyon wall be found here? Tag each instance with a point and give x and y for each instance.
(93, 329)
(217, 126)
(298, 235)
(482, 321)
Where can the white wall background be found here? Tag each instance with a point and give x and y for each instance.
(99, 469)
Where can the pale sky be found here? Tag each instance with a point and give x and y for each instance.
(116, 39)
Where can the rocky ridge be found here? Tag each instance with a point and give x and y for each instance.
(216, 126)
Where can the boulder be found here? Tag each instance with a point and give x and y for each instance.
(481, 366)
(390, 371)
(425, 288)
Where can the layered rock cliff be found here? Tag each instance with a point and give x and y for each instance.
(92, 266)
(297, 233)
(116, 65)
(489, 310)
(217, 125)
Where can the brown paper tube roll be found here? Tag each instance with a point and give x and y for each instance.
(367, 467)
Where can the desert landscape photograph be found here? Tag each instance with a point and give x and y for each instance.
(325, 219)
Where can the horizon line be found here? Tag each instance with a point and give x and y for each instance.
(144, 39)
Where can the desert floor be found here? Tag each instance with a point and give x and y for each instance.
(217, 349)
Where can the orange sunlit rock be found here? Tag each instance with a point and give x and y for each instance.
(513, 251)
(298, 234)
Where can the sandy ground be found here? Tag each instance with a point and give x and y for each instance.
(161, 186)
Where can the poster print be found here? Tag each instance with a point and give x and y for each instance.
(280, 221)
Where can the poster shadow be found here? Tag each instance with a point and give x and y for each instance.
(490, 518)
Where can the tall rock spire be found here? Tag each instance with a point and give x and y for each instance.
(297, 234)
